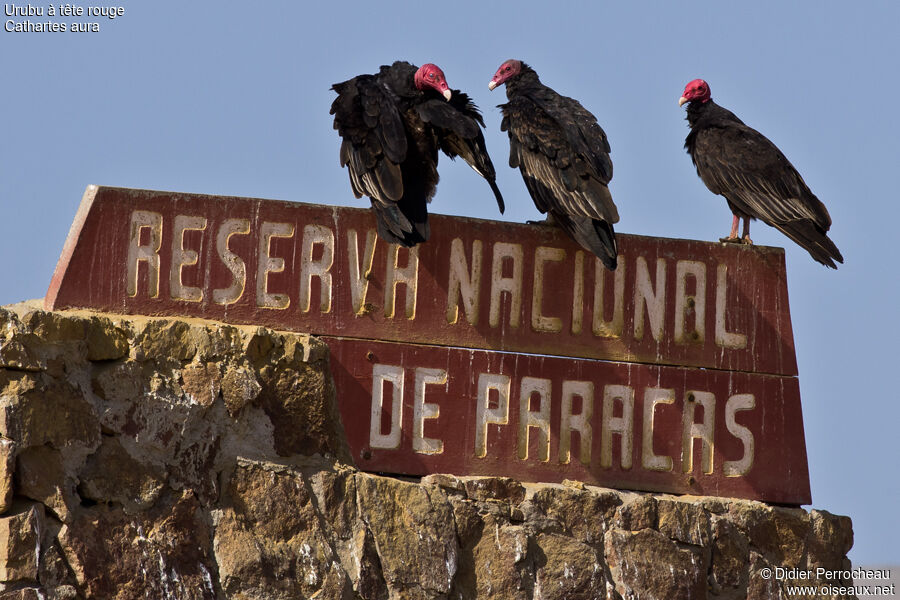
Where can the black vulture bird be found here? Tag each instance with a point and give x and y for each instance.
(392, 125)
(758, 182)
(563, 155)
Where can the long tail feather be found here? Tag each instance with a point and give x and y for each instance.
(814, 240)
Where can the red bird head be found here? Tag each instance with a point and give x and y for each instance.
(695, 90)
(431, 76)
(508, 69)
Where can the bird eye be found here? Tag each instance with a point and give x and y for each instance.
(431, 75)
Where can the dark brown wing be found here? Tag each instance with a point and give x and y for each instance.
(738, 162)
(457, 125)
(584, 134)
(367, 117)
(741, 164)
(563, 157)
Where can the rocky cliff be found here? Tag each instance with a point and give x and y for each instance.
(160, 458)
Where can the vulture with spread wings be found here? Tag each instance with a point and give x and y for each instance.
(392, 125)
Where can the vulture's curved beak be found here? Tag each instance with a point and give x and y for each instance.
(682, 100)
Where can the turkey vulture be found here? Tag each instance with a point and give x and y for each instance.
(758, 182)
(563, 155)
(392, 125)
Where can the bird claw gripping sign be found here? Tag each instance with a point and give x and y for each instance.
(493, 348)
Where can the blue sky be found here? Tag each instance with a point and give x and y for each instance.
(232, 98)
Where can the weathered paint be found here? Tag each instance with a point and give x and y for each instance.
(475, 284)
(680, 368)
(415, 410)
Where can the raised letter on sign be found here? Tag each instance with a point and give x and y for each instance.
(426, 410)
(359, 273)
(464, 283)
(238, 269)
(484, 414)
(380, 375)
(685, 304)
(511, 285)
(539, 322)
(144, 219)
(580, 422)
(578, 293)
(268, 264)
(616, 325)
(704, 431)
(183, 257)
(408, 275)
(621, 425)
(742, 466)
(655, 301)
(725, 339)
(313, 235)
(540, 419)
(649, 460)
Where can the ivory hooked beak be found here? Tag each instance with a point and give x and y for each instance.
(446, 94)
(492, 85)
(682, 100)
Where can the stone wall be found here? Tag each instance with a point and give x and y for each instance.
(160, 458)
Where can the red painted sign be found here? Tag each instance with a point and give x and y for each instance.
(427, 409)
(516, 353)
(475, 284)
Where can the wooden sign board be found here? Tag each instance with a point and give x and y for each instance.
(475, 284)
(702, 314)
(427, 409)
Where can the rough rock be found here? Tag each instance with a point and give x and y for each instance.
(239, 388)
(567, 569)
(7, 466)
(637, 513)
(501, 563)
(683, 521)
(495, 488)
(582, 514)
(648, 564)
(160, 553)
(263, 551)
(105, 341)
(20, 535)
(831, 538)
(779, 533)
(41, 475)
(202, 382)
(111, 475)
(414, 534)
(729, 570)
(53, 412)
(166, 458)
